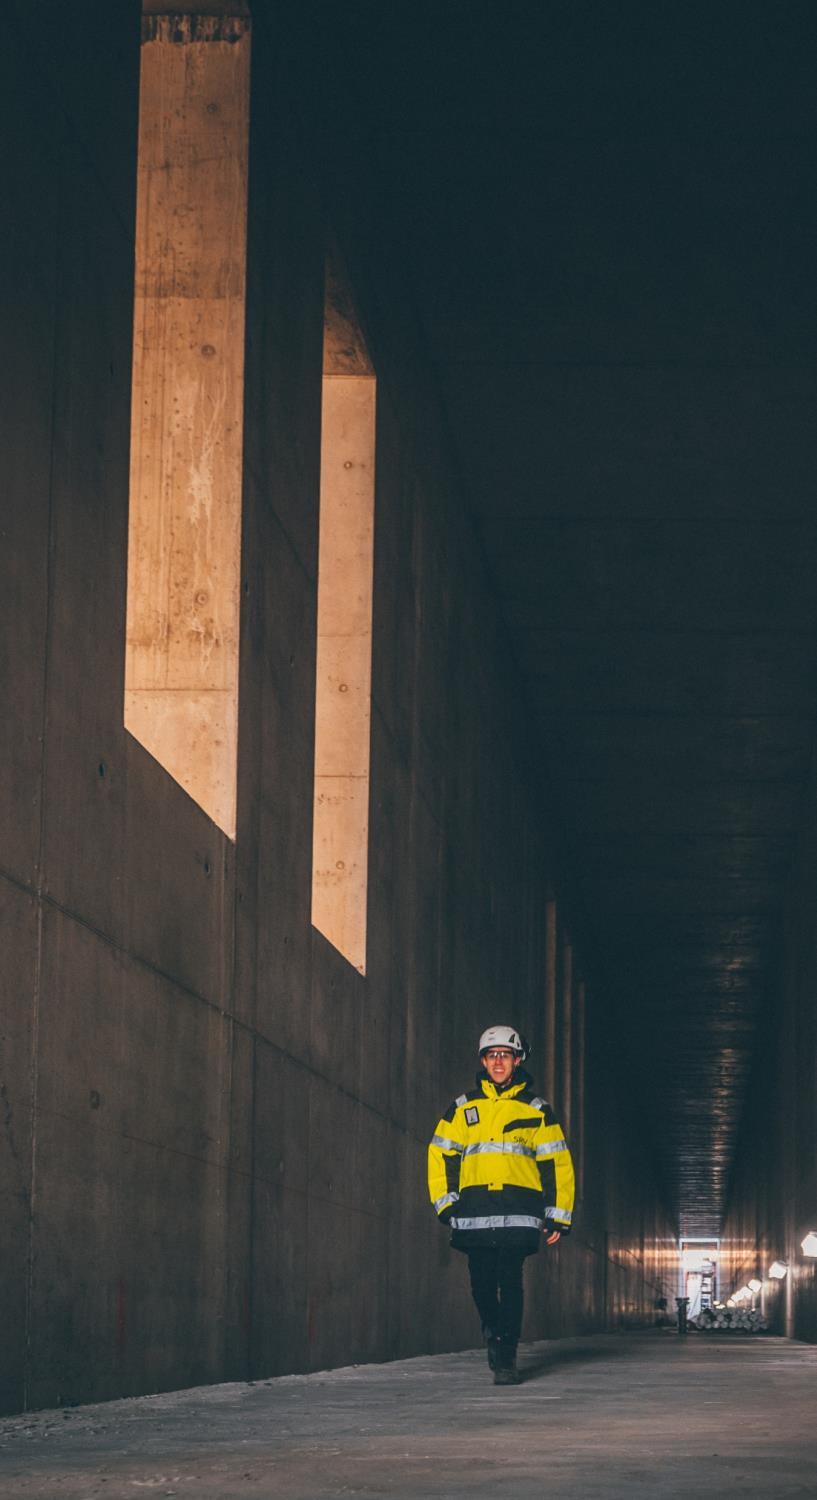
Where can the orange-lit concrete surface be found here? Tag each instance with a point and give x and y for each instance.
(343, 670)
(608, 1418)
(184, 529)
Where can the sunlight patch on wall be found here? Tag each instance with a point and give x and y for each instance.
(181, 667)
(344, 652)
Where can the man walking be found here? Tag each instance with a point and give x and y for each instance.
(500, 1175)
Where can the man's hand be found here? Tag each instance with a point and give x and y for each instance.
(554, 1237)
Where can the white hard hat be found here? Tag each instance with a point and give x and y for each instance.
(503, 1036)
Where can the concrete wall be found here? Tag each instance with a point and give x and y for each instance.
(773, 1201)
(214, 1127)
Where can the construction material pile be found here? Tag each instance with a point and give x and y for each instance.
(729, 1320)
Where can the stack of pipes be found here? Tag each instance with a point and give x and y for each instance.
(730, 1320)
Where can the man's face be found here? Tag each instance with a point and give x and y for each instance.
(500, 1064)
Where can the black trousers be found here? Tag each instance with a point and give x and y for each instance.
(496, 1287)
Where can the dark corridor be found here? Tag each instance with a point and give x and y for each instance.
(572, 251)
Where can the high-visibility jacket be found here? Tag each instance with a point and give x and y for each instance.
(499, 1170)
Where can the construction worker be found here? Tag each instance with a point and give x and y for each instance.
(500, 1176)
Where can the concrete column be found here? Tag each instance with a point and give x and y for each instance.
(549, 1070)
(579, 1106)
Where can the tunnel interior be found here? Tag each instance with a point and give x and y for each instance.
(611, 228)
(576, 248)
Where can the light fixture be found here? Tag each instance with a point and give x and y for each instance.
(809, 1244)
(754, 1285)
(777, 1270)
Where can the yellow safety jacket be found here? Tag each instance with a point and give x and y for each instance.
(499, 1170)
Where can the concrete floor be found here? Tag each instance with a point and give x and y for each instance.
(627, 1415)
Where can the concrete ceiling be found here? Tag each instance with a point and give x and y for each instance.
(609, 219)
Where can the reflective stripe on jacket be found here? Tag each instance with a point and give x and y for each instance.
(499, 1169)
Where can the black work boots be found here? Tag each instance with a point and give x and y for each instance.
(503, 1362)
(492, 1344)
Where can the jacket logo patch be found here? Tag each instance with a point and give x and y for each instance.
(472, 1116)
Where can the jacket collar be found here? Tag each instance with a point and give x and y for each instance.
(519, 1081)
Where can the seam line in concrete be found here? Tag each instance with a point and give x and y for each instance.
(34, 1065)
(219, 1010)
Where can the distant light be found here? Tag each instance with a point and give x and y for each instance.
(754, 1285)
(778, 1269)
(809, 1244)
(696, 1257)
